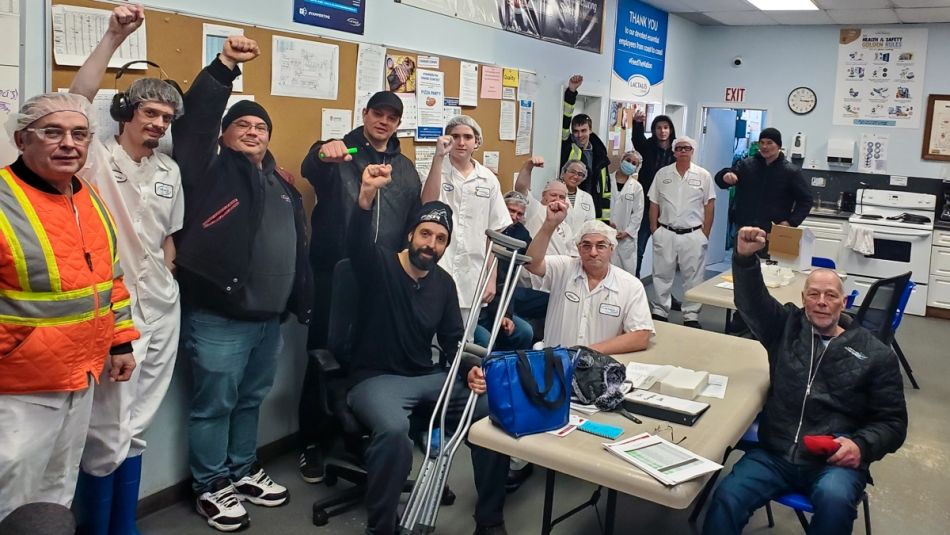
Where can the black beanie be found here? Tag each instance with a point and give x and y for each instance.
(246, 107)
(434, 212)
(773, 134)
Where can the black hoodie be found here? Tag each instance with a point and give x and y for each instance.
(654, 157)
(338, 186)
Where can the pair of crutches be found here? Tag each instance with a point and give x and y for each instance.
(424, 500)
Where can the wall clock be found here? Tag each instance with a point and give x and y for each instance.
(802, 100)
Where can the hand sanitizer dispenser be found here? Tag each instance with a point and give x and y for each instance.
(797, 150)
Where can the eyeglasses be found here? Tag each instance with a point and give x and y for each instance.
(660, 429)
(260, 128)
(587, 246)
(55, 134)
(151, 114)
(578, 172)
(683, 148)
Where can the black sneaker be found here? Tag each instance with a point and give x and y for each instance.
(311, 464)
(675, 304)
(258, 488)
(657, 317)
(221, 506)
(517, 477)
(693, 323)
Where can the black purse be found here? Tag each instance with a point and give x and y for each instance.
(597, 379)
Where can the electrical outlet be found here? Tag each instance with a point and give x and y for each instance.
(898, 180)
(818, 181)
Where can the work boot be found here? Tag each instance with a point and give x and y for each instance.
(126, 497)
(93, 504)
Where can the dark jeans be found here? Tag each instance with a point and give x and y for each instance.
(643, 235)
(316, 427)
(383, 404)
(761, 476)
(520, 338)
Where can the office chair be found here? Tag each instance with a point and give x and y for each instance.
(881, 313)
(332, 365)
(798, 502)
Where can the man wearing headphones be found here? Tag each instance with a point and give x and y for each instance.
(142, 188)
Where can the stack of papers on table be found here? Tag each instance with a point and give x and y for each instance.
(668, 463)
(645, 376)
(684, 383)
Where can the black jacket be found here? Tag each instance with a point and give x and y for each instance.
(223, 204)
(654, 158)
(338, 187)
(597, 183)
(768, 193)
(858, 390)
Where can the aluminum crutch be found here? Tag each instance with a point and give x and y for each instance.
(422, 507)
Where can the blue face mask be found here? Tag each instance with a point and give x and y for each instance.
(627, 168)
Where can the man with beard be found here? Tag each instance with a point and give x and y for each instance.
(593, 303)
(142, 188)
(335, 175)
(405, 300)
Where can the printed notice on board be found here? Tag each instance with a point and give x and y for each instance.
(77, 31)
(430, 100)
(468, 84)
(491, 82)
(506, 121)
(880, 77)
(212, 42)
(305, 69)
(369, 77)
(525, 126)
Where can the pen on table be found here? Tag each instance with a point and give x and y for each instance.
(629, 415)
(351, 150)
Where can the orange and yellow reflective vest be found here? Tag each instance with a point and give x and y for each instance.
(62, 301)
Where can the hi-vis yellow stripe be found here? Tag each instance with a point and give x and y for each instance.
(105, 217)
(30, 213)
(16, 250)
(53, 322)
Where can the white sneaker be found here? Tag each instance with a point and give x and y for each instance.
(259, 489)
(222, 508)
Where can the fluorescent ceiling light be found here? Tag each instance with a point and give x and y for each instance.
(784, 5)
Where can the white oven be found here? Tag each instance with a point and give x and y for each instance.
(897, 250)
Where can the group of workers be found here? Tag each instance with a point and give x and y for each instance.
(98, 237)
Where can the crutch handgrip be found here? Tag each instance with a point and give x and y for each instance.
(508, 255)
(505, 241)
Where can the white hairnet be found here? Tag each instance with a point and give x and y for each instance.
(516, 197)
(688, 140)
(555, 184)
(39, 106)
(155, 90)
(464, 120)
(595, 226)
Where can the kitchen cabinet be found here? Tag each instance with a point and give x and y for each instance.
(939, 294)
(830, 234)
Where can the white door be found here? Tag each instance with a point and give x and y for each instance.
(715, 152)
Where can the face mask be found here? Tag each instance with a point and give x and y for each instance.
(627, 168)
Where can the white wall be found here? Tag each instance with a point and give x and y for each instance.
(778, 59)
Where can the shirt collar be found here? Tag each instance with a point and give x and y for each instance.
(609, 283)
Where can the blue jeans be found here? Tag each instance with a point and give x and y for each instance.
(761, 476)
(520, 338)
(233, 362)
(383, 404)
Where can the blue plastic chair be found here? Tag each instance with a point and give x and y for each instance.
(822, 262)
(798, 502)
(898, 316)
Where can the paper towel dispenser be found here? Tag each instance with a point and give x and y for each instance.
(840, 151)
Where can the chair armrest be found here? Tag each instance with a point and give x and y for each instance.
(324, 360)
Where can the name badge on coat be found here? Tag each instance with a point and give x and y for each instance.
(694, 182)
(573, 297)
(610, 310)
(164, 190)
(482, 191)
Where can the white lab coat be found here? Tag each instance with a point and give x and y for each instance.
(581, 210)
(682, 201)
(147, 204)
(626, 213)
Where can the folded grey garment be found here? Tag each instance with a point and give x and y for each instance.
(39, 519)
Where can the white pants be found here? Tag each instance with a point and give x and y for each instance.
(42, 441)
(123, 411)
(672, 250)
(625, 255)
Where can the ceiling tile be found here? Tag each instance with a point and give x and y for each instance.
(670, 6)
(921, 3)
(741, 18)
(853, 4)
(863, 16)
(718, 5)
(800, 17)
(700, 18)
(926, 14)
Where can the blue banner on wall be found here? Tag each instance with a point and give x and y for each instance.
(343, 15)
(639, 51)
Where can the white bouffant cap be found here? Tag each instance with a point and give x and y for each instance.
(595, 226)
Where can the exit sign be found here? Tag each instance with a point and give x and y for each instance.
(735, 94)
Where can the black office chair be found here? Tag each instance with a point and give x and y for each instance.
(880, 312)
(332, 364)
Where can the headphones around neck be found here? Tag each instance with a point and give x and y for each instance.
(122, 108)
